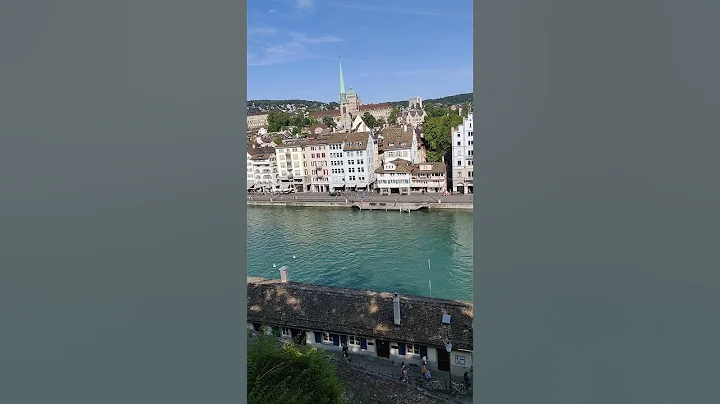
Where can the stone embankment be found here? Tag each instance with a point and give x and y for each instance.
(374, 202)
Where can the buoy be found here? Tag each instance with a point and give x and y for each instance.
(274, 266)
(294, 256)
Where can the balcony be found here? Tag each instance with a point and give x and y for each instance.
(470, 157)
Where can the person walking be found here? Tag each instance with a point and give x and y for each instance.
(346, 355)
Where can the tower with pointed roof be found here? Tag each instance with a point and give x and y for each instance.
(349, 104)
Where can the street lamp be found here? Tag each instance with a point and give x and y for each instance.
(448, 348)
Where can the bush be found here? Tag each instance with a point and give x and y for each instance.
(290, 374)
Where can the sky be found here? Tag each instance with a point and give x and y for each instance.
(390, 50)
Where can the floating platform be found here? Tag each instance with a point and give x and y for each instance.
(391, 206)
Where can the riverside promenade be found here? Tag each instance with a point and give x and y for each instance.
(433, 201)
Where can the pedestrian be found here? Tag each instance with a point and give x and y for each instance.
(404, 373)
(424, 360)
(466, 378)
(345, 352)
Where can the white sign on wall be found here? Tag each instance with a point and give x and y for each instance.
(459, 360)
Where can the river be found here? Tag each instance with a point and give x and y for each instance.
(371, 250)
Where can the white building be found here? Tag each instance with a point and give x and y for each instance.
(394, 177)
(292, 166)
(358, 161)
(250, 172)
(264, 167)
(336, 161)
(462, 156)
(399, 143)
(317, 155)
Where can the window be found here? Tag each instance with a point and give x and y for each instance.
(413, 349)
(458, 143)
(459, 163)
(326, 338)
(352, 340)
(285, 332)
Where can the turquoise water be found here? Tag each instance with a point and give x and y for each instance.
(373, 250)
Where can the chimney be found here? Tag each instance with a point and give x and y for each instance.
(405, 128)
(284, 274)
(396, 309)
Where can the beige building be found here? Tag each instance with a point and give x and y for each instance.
(428, 177)
(399, 143)
(394, 177)
(257, 120)
(292, 166)
(414, 115)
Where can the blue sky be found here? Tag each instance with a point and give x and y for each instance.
(391, 50)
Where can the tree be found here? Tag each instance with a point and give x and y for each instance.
(381, 122)
(434, 111)
(370, 120)
(438, 132)
(392, 119)
(277, 120)
(277, 140)
(289, 374)
(328, 121)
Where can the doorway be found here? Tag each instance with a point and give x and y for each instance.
(443, 359)
(383, 348)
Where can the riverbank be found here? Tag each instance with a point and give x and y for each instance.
(366, 202)
(400, 206)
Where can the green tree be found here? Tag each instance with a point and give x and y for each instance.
(370, 120)
(289, 374)
(277, 120)
(328, 121)
(381, 122)
(277, 140)
(392, 119)
(438, 133)
(434, 111)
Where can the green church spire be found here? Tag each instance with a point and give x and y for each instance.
(342, 82)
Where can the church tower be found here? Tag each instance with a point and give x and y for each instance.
(349, 104)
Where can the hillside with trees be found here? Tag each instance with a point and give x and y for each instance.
(306, 105)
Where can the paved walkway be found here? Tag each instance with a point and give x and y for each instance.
(324, 197)
(390, 370)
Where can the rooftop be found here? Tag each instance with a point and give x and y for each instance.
(360, 313)
(397, 137)
(356, 141)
